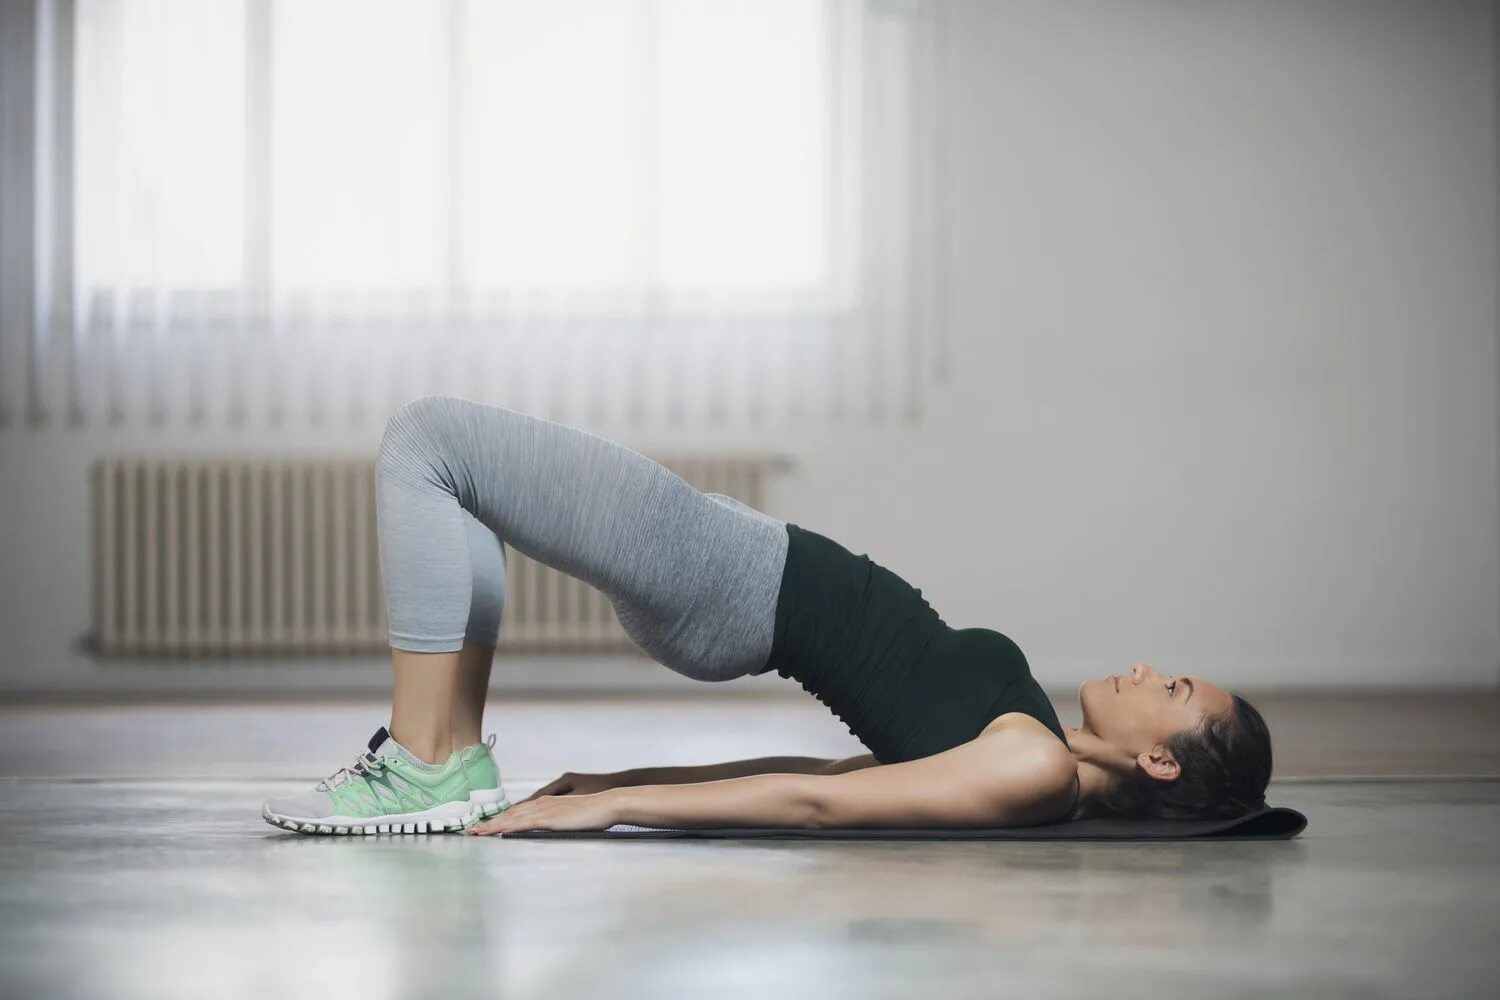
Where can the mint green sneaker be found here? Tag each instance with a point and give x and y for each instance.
(388, 789)
(486, 794)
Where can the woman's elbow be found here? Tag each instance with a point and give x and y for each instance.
(787, 800)
(815, 809)
(844, 808)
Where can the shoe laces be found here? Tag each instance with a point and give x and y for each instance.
(366, 764)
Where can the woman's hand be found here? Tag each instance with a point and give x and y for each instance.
(578, 784)
(596, 811)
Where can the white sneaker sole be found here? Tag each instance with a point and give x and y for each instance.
(450, 817)
(483, 805)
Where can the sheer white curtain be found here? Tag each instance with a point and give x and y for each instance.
(616, 212)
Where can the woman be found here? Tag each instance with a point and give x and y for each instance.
(960, 734)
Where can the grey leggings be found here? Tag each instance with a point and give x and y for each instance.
(692, 576)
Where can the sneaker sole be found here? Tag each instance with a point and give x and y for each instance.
(441, 819)
(485, 804)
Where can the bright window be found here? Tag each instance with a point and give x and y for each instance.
(409, 145)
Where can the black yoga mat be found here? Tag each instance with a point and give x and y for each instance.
(1273, 823)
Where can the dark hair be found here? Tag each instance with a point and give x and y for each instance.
(1226, 765)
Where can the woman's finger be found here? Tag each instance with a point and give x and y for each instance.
(485, 829)
(516, 818)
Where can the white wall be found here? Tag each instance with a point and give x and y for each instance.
(1225, 375)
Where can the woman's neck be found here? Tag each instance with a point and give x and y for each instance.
(1098, 763)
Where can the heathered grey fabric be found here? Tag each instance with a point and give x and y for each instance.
(693, 577)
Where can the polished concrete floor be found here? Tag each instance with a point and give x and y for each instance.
(154, 876)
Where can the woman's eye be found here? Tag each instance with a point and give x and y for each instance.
(1172, 689)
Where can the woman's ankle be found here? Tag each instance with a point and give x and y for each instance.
(430, 748)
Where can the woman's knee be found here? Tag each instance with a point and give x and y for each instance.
(412, 430)
(416, 416)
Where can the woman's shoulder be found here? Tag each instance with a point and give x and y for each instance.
(1037, 761)
(1025, 726)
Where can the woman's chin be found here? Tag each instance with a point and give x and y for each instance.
(1090, 691)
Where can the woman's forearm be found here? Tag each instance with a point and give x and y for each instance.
(739, 769)
(755, 800)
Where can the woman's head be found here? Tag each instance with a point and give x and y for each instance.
(1182, 747)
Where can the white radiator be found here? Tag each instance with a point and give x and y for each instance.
(247, 556)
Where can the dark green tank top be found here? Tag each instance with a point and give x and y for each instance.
(867, 644)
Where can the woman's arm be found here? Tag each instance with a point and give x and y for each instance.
(583, 784)
(743, 768)
(1012, 775)
(1005, 777)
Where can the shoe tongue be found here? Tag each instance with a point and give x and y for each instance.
(383, 744)
(378, 740)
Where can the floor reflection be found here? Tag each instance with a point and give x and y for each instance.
(177, 889)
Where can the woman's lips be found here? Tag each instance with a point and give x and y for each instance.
(1116, 679)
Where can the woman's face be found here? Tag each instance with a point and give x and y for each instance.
(1137, 711)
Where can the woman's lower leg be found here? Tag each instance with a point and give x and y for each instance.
(473, 686)
(423, 700)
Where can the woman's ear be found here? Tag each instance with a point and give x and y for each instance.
(1159, 764)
